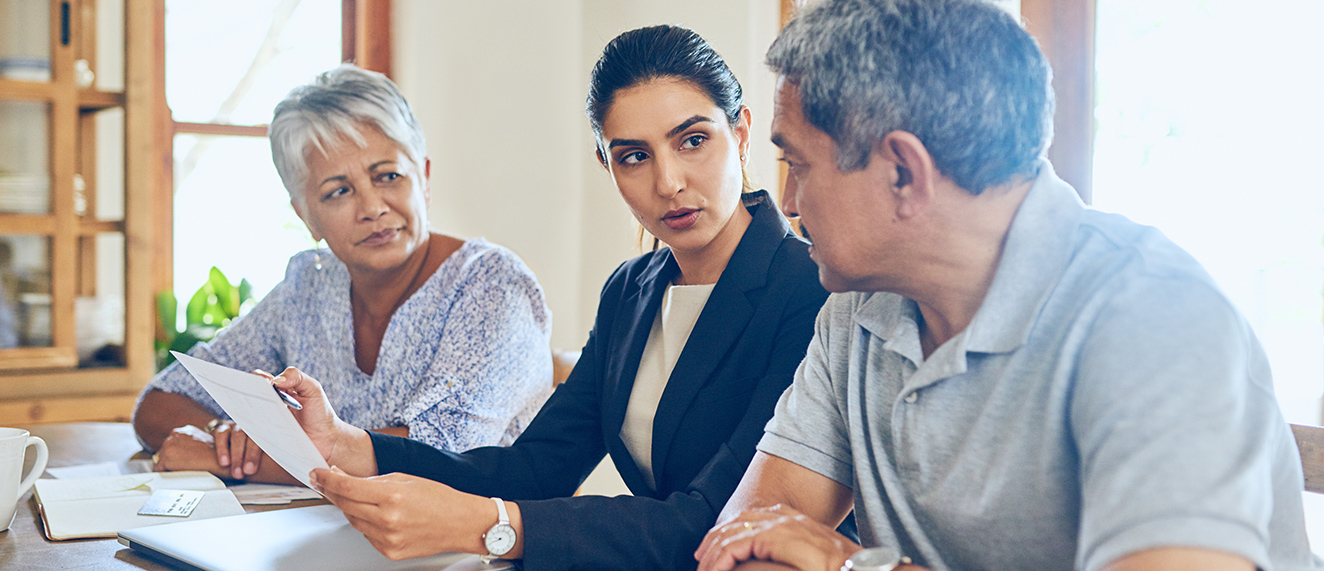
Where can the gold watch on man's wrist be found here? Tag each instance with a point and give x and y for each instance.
(875, 559)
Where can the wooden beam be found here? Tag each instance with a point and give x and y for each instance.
(108, 408)
(1310, 442)
(31, 90)
(372, 35)
(53, 383)
(218, 129)
(146, 156)
(1065, 31)
(26, 224)
(37, 358)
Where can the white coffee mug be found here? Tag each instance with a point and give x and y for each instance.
(13, 442)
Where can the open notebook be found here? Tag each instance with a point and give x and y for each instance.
(100, 507)
(317, 537)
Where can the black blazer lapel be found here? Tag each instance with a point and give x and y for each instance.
(633, 334)
(720, 324)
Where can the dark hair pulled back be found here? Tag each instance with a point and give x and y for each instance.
(659, 52)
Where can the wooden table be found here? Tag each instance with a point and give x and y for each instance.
(24, 546)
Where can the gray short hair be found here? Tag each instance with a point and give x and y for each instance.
(961, 75)
(332, 108)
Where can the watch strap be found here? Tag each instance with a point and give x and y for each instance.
(503, 519)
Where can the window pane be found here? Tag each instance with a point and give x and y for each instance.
(231, 212)
(24, 162)
(231, 62)
(25, 40)
(1208, 128)
(25, 291)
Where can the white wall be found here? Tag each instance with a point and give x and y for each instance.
(499, 87)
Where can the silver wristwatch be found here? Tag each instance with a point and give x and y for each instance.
(875, 559)
(500, 539)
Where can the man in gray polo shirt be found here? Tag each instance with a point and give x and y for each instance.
(1016, 381)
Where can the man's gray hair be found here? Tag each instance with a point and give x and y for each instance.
(961, 75)
(332, 108)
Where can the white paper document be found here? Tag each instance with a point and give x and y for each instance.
(271, 494)
(254, 405)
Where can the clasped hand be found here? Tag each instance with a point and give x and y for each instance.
(778, 533)
(192, 448)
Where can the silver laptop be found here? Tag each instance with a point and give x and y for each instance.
(317, 537)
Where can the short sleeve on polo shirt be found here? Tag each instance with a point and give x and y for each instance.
(808, 426)
(1176, 442)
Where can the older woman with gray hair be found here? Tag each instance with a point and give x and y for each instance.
(414, 333)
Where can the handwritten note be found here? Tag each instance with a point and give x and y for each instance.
(258, 410)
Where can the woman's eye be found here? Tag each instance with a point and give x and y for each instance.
(693, 141)
(336, 193)
(389, 177)
(633, 158)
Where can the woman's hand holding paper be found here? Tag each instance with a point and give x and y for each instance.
(406, 516)
(339, 442)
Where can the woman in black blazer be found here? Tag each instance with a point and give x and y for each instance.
(673, 134)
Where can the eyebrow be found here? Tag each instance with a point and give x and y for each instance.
(371, 168)
(686, 124)
(780, 141)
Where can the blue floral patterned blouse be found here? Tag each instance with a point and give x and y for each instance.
(465, 361)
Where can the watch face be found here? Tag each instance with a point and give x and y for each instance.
(500, 539)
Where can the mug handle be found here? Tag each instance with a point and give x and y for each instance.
(38, 467)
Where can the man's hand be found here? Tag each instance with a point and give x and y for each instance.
(188, 448)
(407, 516)
(778, 533)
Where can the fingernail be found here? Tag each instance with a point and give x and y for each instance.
(225, 460)
(312, 481)
(250, 468)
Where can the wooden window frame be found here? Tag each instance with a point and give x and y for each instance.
(39, 384)
(365, 41)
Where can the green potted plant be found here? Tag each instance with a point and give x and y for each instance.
(214, 305)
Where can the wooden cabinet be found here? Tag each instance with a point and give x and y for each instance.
(81, 101)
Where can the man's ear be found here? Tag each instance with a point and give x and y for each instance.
(913, 182)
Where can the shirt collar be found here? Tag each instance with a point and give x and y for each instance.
(1039, 246)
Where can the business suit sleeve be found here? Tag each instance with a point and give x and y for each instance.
(553, 456)
(632, 532)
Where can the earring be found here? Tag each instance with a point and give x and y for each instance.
(317, 255)
(742, 158)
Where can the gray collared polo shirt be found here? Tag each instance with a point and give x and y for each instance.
(1105, 399)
